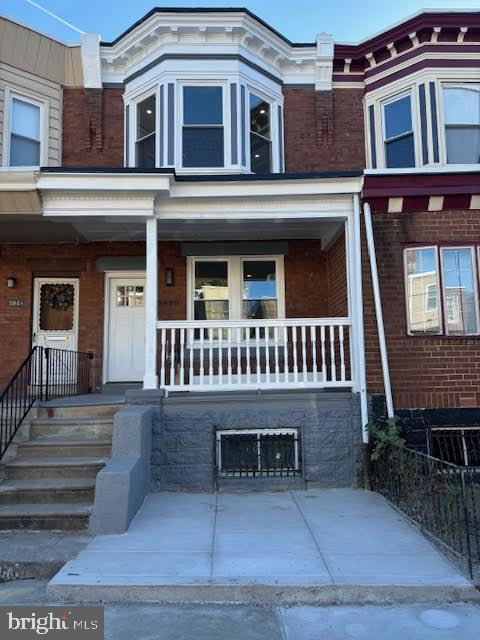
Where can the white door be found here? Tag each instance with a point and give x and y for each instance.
(126, 330)
(55, 313)
(55, 326)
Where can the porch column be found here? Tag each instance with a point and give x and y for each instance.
(150, 379)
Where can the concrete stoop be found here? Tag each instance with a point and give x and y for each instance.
(50, 482)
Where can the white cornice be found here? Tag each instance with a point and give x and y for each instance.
(219, 34)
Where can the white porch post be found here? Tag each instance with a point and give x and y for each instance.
(150, 379)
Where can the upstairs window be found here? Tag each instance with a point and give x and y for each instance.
(202, 134)
(398, 133)
(260, 136)
(462, 123)
(25, 126)
(145, 139)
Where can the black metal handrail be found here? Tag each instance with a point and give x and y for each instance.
(44, 374)
(442, 498)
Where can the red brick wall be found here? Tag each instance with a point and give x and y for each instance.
(93, 123)
(323, 130)
(306, 275)
(426, 372)
(337, 278)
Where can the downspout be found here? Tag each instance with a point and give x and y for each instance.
(362, 383)
(378, 309)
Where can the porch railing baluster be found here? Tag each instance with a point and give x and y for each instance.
(200, 355)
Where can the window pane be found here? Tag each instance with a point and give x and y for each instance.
(56, 307)
(146, 153)
(463, 145)
(146, 117)
(259, 281)
(398, 117)
(211, 290)
(462, 105)
(400, 152)
(422, 289)
(259, 290)
(459, 291)
(202, 105)
(260, 154)
(24, 153)
(259, 116)
(203, 147)
(25, 119)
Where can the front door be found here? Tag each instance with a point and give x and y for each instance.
(55, 326)
(126, 330)
(55, 313)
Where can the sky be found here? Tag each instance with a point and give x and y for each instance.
(298, 20)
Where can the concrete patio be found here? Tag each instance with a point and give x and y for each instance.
(316, 546)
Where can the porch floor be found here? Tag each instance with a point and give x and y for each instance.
(317, 546)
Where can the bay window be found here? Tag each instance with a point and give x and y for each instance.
(25, 133)
(202, 133)
(146, 133)
(398, 135)
(462, 123)
(442, 290)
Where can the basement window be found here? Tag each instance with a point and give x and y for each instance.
(258, 452)
(457, 445)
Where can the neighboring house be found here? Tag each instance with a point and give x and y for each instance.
(191, 212)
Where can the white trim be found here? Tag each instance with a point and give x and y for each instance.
(109, 275)
(150, 380)
(442, 136)
(31, 98)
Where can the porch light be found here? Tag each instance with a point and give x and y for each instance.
(169, 277)
(149, 112)
(11, 282)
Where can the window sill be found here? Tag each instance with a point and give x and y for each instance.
(427, 169)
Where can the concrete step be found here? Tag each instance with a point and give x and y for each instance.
(60, 409)
(73, 427)
(59, 516)
(62, 447)
(45, 491)
(36, 468)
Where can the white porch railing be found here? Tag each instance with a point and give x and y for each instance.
(255, 354)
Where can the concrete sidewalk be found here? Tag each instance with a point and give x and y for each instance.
(209, 622)
(316, 546)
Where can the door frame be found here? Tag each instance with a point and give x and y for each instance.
(109, 276)
(36, 302)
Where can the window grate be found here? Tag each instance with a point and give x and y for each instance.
(258, 452)
(457, 445)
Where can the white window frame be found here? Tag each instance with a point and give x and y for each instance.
(442, 135)
(475, 288)
(180, 84)
(274, 134)
(384, 103)
(235, 282)
(9, 95)
(132, 152)
(408, 305)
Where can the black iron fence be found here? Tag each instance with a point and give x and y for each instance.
(442, 498)
(44, 374)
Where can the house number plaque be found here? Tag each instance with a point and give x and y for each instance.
(16, 302)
